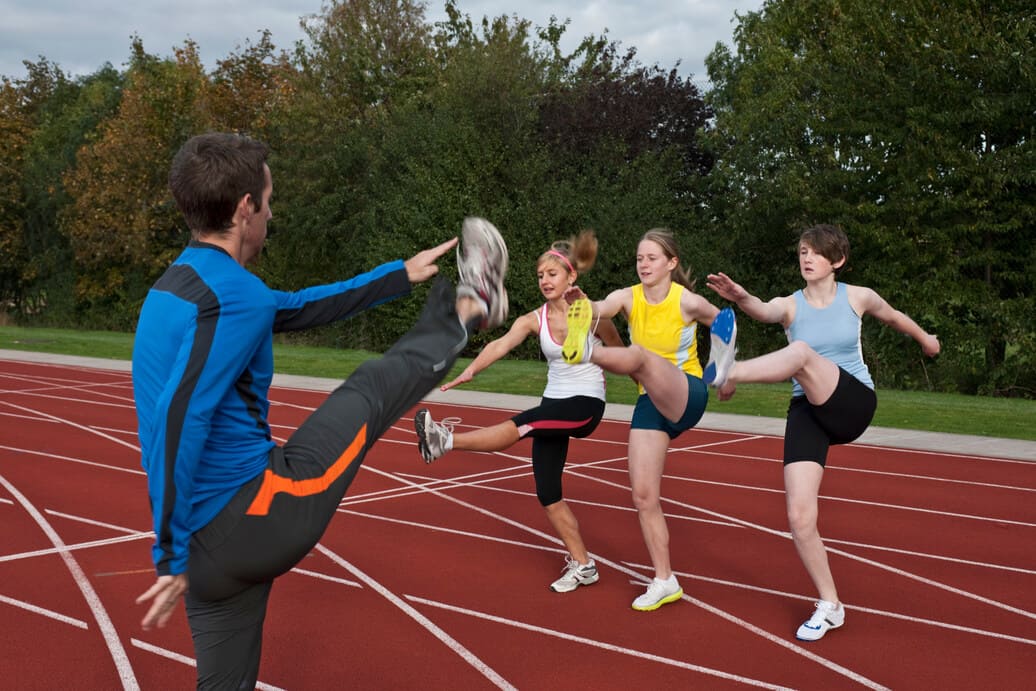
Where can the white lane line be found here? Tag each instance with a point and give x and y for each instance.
(58, 457)
(831, 550)
(184, 659)
(69, 423)
(111, 636)
(596, 644)
(852, 607)
(50, 614)
(421, 619)
(752, 628)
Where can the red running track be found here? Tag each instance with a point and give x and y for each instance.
(435, 577)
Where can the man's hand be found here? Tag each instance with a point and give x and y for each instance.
(164, 594)
(422, 266)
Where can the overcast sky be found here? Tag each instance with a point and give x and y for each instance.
(81, 35)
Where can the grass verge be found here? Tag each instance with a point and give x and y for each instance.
(932, 412)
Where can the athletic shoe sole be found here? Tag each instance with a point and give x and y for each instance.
(817, 633)
(721, 354)
(482, 264)
(664, 601)
(421, 419)
(579, 318)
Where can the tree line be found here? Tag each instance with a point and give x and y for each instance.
(910, 124)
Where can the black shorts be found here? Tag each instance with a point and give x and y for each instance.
(811, 429)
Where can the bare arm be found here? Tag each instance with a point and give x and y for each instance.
(522, 328)
(777, 310)
(694, 307)
(866, 301)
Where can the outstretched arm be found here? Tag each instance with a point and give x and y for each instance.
(869, 302)
(772, 312)
(521, 329)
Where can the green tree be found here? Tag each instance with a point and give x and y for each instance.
(121, 223)
(15, 133)
(911, 125)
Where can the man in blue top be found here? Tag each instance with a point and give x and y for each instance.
(232, 510)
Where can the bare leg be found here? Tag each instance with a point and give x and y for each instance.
(647, 449)
(802, 486)
(495, 438)
(817, 375)
(567, 528)
(664, 383)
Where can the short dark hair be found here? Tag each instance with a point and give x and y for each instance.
(829, 241)
(211, 173)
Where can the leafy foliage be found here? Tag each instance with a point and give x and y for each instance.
(908, 123)
(911, 125)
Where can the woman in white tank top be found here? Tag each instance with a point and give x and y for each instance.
(572, 404)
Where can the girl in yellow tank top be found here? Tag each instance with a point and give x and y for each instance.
(660, 328)
(663, 314)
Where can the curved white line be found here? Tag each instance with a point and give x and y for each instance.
(111, 637)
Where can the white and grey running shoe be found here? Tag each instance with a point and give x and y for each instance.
(482, 265)
(433, 438)
(575, 575)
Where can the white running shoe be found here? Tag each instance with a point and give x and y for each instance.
(827, 616)
(482, 265)
(575, 575)
(658, 593)
(578, 342)
(433, 438)
(721, 354)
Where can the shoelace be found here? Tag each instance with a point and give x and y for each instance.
(448, 423)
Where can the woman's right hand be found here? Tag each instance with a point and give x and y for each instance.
(725, 287)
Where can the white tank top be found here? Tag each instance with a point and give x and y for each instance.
(564, 380)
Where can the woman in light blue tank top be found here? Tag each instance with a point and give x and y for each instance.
(833, 398)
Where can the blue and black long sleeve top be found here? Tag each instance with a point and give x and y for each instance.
(202, 368)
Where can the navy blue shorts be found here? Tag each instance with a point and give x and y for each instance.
(646, 415)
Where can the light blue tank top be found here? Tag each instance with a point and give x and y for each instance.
(832, 331)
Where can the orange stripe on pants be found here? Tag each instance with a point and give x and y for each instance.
(274, 484)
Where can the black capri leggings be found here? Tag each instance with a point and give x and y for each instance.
(551, 424)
